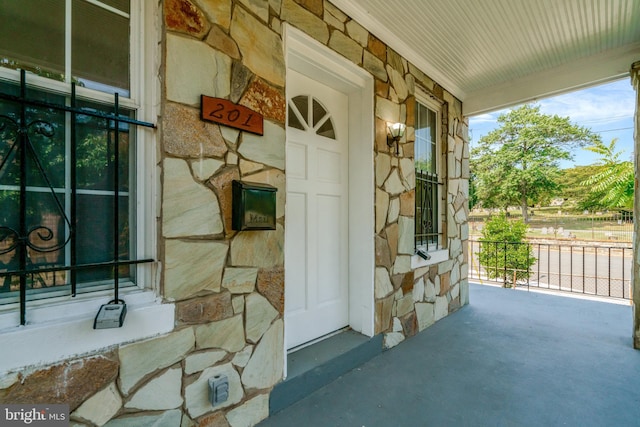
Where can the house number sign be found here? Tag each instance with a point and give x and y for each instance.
(227, 113)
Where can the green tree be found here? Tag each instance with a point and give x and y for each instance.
(473, 192)
(573, 189)
(503, 253)
(517, 164)
(615, 179)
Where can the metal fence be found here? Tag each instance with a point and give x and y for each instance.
(587, 269)
(600, 226)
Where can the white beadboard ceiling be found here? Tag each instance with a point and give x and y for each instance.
(495, 53)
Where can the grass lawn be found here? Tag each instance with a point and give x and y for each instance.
(553, 222)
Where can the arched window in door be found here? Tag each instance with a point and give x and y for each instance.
(308, 114)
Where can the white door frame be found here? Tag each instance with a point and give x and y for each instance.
(309, 57)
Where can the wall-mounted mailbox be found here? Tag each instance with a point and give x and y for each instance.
(254, 206)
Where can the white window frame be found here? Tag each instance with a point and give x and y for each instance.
(61, 327)
(438, 252)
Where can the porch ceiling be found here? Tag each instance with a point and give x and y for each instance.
(496, 53)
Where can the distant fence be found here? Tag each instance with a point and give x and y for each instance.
(605, 226)
(587, 269)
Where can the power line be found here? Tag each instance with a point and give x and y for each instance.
(596, 131)
(612, 130)
(607, 119)
(601, 119)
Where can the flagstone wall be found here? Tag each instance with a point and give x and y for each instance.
(228, 286)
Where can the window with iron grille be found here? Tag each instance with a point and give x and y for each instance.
(428, 227)
(68, 150)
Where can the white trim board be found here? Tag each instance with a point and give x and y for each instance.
(52, 341)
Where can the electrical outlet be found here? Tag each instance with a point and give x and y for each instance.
(218, 389)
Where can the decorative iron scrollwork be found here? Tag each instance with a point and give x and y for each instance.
(10, 239)
(34, 228)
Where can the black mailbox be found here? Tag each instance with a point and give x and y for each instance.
(254, 206)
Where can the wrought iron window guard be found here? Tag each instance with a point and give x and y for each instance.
(22, 240)
(426, 227)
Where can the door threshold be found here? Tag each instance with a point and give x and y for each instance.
(317, 340)
(314, 365)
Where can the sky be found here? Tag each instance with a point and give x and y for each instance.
(605, 109)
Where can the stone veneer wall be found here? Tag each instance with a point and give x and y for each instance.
(227, 286)
(410, 300)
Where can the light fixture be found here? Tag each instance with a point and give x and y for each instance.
(395, 133)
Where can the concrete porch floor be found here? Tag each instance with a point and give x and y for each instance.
(510, 358)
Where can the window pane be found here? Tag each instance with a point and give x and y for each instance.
(432, 139)
(45, 158)
(32, 36)
(46, 224)
(427, 222)
(95, 223)
(432, 125)
(302, 104)
(8, 221)
(9, 144)
(46, 134)
(293, 120)
(425, 139)
(318, 112)
(327, 129)
(45, 227)
(426, 209)
(100, 48)
(47, 235)
(95, 151)
(46, 164)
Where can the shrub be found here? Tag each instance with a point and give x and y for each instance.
(503, 253)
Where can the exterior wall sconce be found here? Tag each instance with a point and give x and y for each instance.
(394, 134)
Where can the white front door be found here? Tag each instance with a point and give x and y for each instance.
(317, 207)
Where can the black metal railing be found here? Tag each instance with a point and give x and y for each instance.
(587, 269)
(426, 226)
(40, 214)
